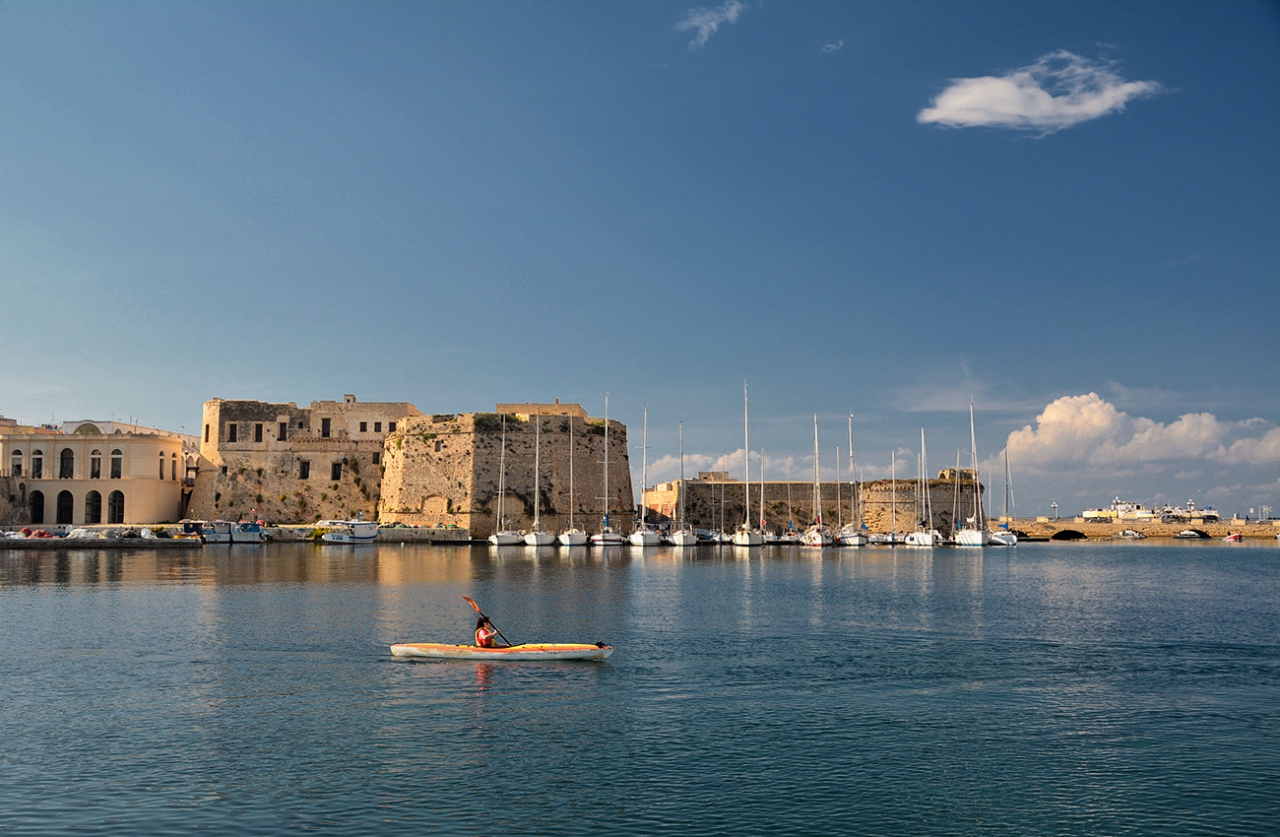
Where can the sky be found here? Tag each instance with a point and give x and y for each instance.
(1066, 215)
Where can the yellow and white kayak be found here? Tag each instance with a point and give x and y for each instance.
(527, 651)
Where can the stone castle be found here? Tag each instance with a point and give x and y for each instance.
(393, 463)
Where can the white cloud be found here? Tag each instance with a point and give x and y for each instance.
(706, 20)
(1059, 90)
(834, 46)
(1080, 431)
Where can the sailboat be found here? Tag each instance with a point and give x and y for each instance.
(925, 534)
(503, 536)
(974, 531)
(644, 534)
(746, 536)
(607, 536)
(789, 537)
(817, 534)
(853, 534)
(573, 536)
(1002, 536)
(537, 536)
(683, 534)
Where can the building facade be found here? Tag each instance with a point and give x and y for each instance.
(91, 473)
(291, 464)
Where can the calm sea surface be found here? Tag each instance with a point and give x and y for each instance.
(1049, 689)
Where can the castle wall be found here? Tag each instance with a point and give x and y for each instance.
(443, 470)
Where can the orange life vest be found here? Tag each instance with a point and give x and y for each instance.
(484, 637)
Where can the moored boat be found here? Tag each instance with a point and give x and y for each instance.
(526, 651)
(1130, 535)
(349, 531)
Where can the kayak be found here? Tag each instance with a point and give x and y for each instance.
(527, 651)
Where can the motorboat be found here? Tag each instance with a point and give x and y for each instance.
(348, 531)
(1130, 535)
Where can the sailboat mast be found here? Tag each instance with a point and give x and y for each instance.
(979, 510)
(644, 467)
(570, 472)
(762, 490)
(606, 460)
(746, 460)
(537, 473)
(893, 489)
(682, 485)
(817, 478)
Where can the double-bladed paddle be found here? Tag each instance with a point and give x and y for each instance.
(477, 609)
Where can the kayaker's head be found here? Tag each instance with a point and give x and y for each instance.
(481, 622)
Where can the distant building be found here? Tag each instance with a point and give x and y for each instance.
(291, 464)
(93, 472)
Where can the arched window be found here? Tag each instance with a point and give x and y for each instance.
(161, 464)
(93, 507)
(16, 468)
(95, 464)
(117, 464)
(115, 507)
(173, 467)
(37, 466)
(66, 507)
(66, 464)
(36, 506)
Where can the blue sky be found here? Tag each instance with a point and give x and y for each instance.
(1068, 213)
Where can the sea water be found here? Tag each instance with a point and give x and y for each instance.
(1089, 689)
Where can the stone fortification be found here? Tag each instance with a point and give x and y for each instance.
(289, 464)
(445, 469)
(714, 501)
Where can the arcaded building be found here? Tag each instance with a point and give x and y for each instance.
(93, 472)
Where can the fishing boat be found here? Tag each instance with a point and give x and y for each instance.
(683, 534)
(537, 536)
(572, 536)
(526, 651)
(348, 531)
(607, 536)
(228, 531)
(504, 536)
(745, 535)
(853, 534)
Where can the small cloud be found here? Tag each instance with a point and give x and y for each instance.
(1059, 90)
(706, 20)
(835, 46)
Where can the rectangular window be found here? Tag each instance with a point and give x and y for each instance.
(257, 432)
(377, 458)
(224, 470)
(324, 428)
(117, 466)
(437, 445)
(364, 427)
(391, 427)
(231, 432)
(335, 472)
(206, 434)
(284, 431)
(304, 470)
(173, 470)
(95, 468)
(377, 427)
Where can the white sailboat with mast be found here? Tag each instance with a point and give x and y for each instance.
(817, 534)
(644, 534)
(607, 536)
(682, 534)
(746, 535)
(573, 536)
(853, 534)
(925, 534)
(503, 536)
(537, 536)
(974, 530)
(1003, 536)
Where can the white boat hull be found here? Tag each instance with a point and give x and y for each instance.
(682, 537)
(506, 539)
(971, 537)
(573, 537)
(539, 539)
(645, 537)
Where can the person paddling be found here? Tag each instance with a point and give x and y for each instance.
(485, 632)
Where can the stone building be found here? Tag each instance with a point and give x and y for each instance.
(93, 472)
(290, 464)
(715, 501)
(446, 470)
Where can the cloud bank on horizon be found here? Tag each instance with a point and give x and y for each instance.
(706, 20)
(1059, 90)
